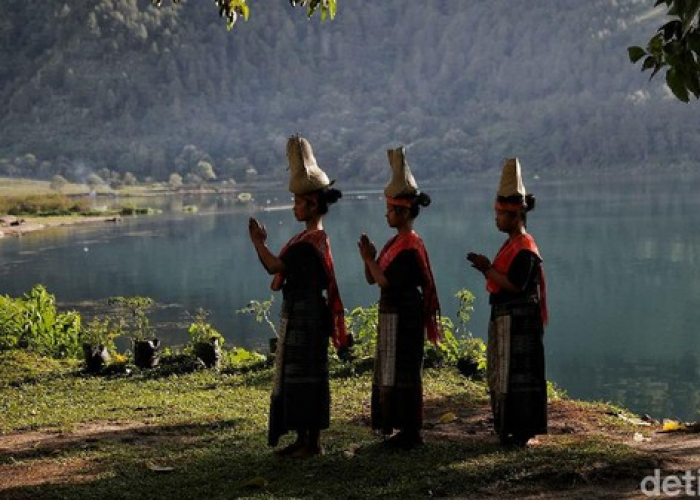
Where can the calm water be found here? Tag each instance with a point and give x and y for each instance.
(622, 262)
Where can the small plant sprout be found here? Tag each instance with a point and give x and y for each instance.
(261, 311)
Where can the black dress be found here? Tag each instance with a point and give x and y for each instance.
(301, 393)
(516, 362)
(397, 387)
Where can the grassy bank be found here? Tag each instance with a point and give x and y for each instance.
(10, 186)
(18, 187)
(202, 435)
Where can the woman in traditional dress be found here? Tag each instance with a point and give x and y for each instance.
(516, 284)
(408, 309)
(303, 271)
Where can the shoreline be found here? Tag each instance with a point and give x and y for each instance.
(26, 225)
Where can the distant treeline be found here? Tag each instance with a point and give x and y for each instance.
(120, 87)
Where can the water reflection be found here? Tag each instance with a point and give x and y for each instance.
(662, 388)
(622, 262)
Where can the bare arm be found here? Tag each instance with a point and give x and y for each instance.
(368, 252)
(258, 235)
(368, 275)
(483, 264)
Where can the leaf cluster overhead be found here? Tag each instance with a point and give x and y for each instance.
(232, 10)
(676, 48)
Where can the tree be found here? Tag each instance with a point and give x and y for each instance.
(194, 180)
(58, 182)
(204, 170)
(94, 181)
(231, 10)
(130, 179)
(675, 45)
(175, 181)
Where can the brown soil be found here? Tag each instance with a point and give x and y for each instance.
(675, 452)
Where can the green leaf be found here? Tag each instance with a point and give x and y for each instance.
(656, 45)
(677, 85)
(692, 82)
(657, 68)
(691, 11)
(649, 63)
(672, 29)
(693, 39)
(635, 53)
(241, 7)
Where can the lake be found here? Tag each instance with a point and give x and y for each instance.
(622, 258)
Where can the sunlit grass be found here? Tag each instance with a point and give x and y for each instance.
(10, 186)
(208, 430)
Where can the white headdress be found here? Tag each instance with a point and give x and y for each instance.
(305, 174)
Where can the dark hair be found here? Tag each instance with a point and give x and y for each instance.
(527, 201)
(327, 196)
(418, 200)
(530, 202)
(517, 199)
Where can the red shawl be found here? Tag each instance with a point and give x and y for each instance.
(319, 240)
(431, 304)
(504, 259)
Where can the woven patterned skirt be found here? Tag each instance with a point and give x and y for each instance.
(516, 371)
(397, 386)
(301, 393)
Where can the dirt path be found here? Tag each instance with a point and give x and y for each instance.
(675, 452)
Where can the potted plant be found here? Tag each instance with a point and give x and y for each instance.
(472, 361)
(205, 341)
(97, 338)
(138, 327)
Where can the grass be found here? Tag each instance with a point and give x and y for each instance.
(12, 187)
(210, 428)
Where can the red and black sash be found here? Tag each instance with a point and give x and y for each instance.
(431, 303)
(319, 241)
(504, 259)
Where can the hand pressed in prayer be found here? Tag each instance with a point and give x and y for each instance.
(257, 231)
(367, 249)
(479, 262)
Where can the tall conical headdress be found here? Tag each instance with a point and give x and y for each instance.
(402, 182)
(305, 174)
(511, 180)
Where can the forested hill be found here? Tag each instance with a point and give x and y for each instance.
(118, 85)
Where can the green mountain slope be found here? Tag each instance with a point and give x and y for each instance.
(113, 86)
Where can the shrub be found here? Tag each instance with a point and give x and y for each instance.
(202, 331)
(132, 316)
(33, 323)
(44, 205)
(101, 332)
(261, 311)
(362, 323)
(456, 344)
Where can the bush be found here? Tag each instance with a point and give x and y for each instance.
(100, 332)
(202, 331)
(131, 313)
(44, 205)
(362, 323)
(456, 344)
(133, 210)
(33, 323)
